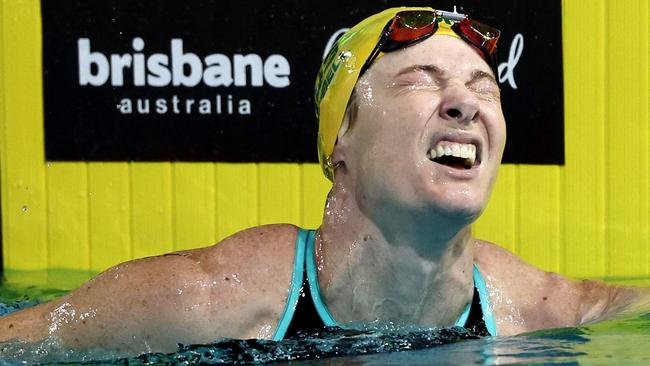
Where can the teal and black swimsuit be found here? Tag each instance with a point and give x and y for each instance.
(305, 309)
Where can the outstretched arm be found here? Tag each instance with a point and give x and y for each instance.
(235, 289)
(525, 298)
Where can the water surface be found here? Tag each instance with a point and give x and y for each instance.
(623, 341)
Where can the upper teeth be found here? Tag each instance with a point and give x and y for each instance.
(466, 151)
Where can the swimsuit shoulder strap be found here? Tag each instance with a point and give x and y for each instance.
(484, 297)
(312, 279)
(296, 284)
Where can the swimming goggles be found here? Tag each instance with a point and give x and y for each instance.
(412, 26)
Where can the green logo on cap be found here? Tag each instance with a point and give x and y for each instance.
(326, 74)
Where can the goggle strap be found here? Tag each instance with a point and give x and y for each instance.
(385, 36)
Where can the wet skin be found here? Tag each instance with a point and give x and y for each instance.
(405, 216)
(407, 102)
(394, 244)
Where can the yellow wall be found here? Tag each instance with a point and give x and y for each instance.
(587, 218)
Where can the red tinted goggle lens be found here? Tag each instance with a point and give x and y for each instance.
(412, 25)
(478, 34)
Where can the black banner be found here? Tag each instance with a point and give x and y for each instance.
(225, 80)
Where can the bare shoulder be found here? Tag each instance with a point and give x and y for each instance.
(252, 271)
(499, 263)
(526, 298)
(267, 246)
(237, 289)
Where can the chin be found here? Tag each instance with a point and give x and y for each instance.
(465, 205)
(465, 213)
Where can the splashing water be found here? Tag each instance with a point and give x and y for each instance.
(330, 342)
(622, 341)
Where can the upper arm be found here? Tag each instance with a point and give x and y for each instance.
(525, 298)
(234, 289)
(126, 302)
(600, 301)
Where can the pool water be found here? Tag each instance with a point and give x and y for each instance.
(623, 341)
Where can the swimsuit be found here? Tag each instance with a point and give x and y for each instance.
(306, 311)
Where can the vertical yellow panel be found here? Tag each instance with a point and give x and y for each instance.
(110, 214)
(280, 198)
(67, 213)
(540, 227)
(194, 205)
(237, 198)
(627, 137)
(314, 193)
(583, 250)
(23, 167)
(151, 209)
(3, 144)
(498, 223)
(646, 66)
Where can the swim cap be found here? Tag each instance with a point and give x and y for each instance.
(339, 73)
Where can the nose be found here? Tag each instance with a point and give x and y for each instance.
(459, 104)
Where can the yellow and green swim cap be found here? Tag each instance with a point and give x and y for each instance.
(340, 71)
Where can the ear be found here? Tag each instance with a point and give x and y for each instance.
(338, 155)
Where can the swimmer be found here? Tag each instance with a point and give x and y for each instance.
(411, 133)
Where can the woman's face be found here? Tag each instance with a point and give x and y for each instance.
(428, 132)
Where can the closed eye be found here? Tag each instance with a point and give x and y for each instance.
(484, 84)
(417, 78)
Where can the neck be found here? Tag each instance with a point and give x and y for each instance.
(410, 270)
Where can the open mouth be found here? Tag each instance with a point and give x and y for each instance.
(454, 154)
